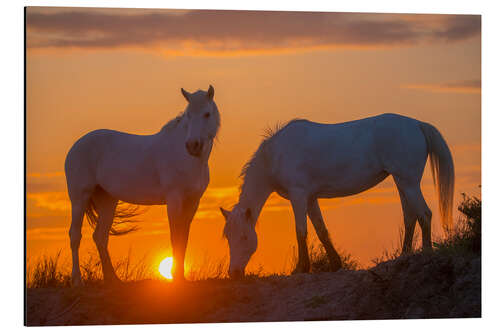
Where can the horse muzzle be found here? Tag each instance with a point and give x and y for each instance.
(194, 147)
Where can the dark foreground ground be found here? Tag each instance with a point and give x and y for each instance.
(417, 286)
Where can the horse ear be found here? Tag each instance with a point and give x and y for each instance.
(210, 93)
(248, 214)
(224, 212)
(185, 94)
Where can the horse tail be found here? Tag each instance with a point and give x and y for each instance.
(443, 172)
(123, 215)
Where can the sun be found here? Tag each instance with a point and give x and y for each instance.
(165, 268)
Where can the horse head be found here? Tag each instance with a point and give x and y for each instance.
(242, 238)
(203, 120)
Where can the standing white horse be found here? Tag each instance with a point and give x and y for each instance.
(169, 167)
(304, 161)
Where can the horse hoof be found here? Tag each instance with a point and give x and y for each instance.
(427, 250)
(300, 270)
(76, 283)
(336, 265)
(336, 268)
(179, 279)
(113, 282)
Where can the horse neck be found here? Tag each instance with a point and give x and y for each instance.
(254, 192)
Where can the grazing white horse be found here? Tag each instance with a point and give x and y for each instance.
(304, 161)
(169, 167)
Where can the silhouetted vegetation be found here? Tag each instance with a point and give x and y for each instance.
(48, 271)
(465, 237)
(320, 262)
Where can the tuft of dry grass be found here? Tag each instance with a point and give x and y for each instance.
(320, 263)
(395, 251)
(319, 260)
(209, 270)
(48, 271)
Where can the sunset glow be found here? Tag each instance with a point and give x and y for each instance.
(165, 267)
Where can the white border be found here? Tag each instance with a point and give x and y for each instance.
(12, 155)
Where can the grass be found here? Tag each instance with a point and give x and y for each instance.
(462, 240)
(210, 270)
(46, 273)
(50, 271)
(320, 263)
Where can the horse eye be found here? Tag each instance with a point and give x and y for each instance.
(206, 115)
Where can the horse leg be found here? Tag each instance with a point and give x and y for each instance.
(418, 207)
(317, 221)
(75, 235)
(105, 206)
(424, 220)
(299, 205)
(410, 219)
(180, 214)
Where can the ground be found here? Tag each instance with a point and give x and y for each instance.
(415, 286)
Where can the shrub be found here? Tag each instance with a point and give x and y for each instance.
(465, 237)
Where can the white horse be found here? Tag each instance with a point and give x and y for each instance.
(304, 161)
(169, 167)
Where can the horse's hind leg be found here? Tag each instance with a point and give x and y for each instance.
(299, 205)
(424, 220)
(410, 220)
(78, 206)
(105, 206)
(79, 201)
(417, 209)
(317, 221)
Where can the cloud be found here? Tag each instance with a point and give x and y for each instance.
(209, 32)
(45, 182)
(459, 87)
(45, 175)
(57, 201)
(47, 233)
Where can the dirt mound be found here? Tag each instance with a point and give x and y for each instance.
(416, 286)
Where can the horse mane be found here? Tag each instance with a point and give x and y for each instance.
(260, 154)
(268, 135)
(173, 122)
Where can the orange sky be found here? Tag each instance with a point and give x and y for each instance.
(123, 69)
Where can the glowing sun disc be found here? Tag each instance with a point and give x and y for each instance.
(166, 267)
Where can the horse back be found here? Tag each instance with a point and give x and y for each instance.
(345, 158)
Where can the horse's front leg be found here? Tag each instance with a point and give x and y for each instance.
(318, 223)
(299, 205)
(180, 212)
